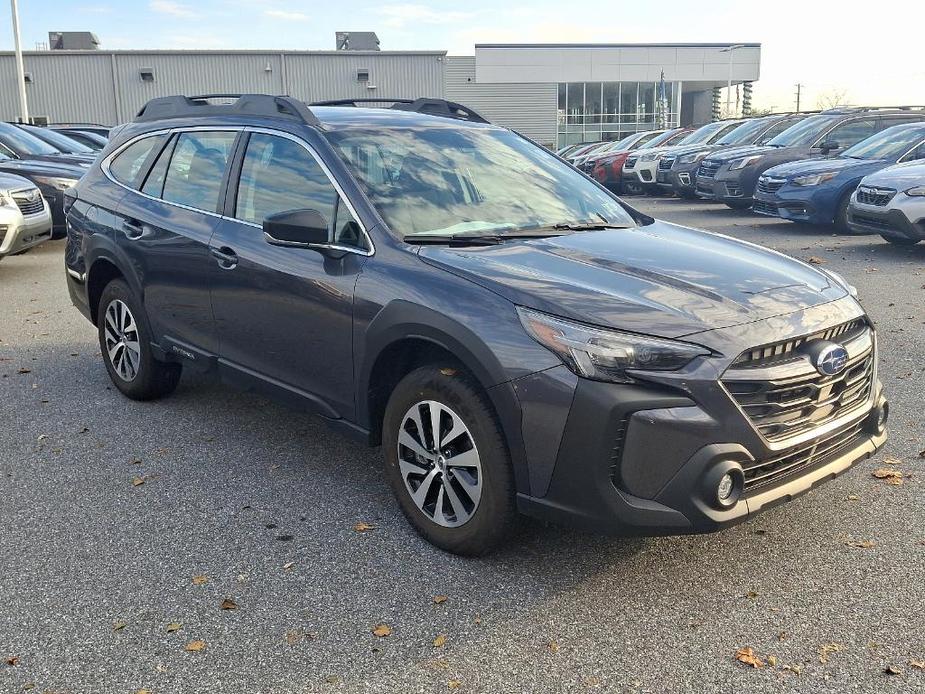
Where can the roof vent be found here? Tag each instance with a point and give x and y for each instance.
(356, 41)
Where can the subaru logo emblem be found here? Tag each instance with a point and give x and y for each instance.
(33, 195)
(831, 359)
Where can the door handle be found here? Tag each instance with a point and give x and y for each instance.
(226, 257)
(132, 229)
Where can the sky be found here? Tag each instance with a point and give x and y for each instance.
(826, 45)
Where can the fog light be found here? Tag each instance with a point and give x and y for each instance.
(726, 485)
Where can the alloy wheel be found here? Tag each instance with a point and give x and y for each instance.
(121, 339)
(439, 463)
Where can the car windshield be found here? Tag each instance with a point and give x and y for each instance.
(803, 133)
(703, 134)
(462, 180)
(22, 142)
(62, 142)
(745, 133)
(890, 144)
(660, 138)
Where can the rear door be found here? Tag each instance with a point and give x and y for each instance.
(164, 229)
(849, 133)
(285, 315)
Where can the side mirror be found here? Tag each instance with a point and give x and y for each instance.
(829, 146)
(300, 228)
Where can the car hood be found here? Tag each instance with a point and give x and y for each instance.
(659, 279)
(10, 181)
(899, 177)
(725, 155)
(35, 167)
(836, 164)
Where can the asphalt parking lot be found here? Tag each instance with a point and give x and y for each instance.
(109, 509)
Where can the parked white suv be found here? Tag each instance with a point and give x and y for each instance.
(891, 202)
(25, 220)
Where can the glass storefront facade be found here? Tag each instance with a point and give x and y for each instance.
(593, 111)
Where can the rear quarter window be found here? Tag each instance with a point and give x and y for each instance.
(126, 166)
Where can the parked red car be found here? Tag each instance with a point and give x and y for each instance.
(608, 170)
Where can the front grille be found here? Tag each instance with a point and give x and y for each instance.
(27, 206)
(763, 472)
(708, 169)
(630, 162)
(800, 400)
(665, 163)
(762, 207)
(766, 184)
(878, 197)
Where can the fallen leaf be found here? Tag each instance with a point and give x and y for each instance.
(362, 527)
(143, 691)
(229, 604)
(751, 595)
(24, 370)
(195, 646)
(890, 460)
(453, 684)
(135, 461)
(815, 260)
(795, 669)
(772, 660)
(439, 599)
(382, 630)
(448, 371)
(921, 454)
(288, 565)
(118, 626)
(293, 637)
(553, 646)
(174, 626)
(781, 636)
(748, 656)
(884, 473)
(332, 679)
(827, 649)
(199, 580)
(477, 620)
(440, 641)
(13, 660)
(917, 664)
(138, 481)
(892, 670)
(853, 497)
(862, 544)
(28, 686)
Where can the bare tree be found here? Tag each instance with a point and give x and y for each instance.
(832, 99)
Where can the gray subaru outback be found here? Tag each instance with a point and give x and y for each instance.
(515, 337)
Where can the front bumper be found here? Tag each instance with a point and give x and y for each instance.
(794, 205)
(644, 459)
(18, 233)
(681, 178)
(726, 186)
(887, 222)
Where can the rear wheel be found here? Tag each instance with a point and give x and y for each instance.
(899, 241)
(447, 462)
(126, 346)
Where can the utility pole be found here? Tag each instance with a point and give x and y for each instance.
(729, 50)
(20, 70)
(799, 89)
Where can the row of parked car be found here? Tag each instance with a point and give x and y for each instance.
(860, 169)
(37, 164)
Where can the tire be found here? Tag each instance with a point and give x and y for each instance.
(841, 215)
(475, 522)
(739, 204)
(631, 188)
(896, 241)
(130, 362)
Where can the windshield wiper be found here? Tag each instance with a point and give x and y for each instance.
(480, 239)
(588, 226)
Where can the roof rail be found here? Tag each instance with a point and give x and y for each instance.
(430, 106)
(856, 109)
(244, 105)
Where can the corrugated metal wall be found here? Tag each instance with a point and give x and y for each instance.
(106, 87)
(527, 108)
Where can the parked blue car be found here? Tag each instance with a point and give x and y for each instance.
(818, 190)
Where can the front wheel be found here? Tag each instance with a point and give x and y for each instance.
(447, 462)
(126, 346)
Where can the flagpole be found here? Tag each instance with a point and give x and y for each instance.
(20, 70)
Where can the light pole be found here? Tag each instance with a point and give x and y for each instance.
(729, 50)
(20, 70)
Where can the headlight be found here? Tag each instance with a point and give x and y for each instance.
(745, 161)
(814, 179)
(917, 192)
(55, 182)
(6, 200)
(840, 281)
(691, 158)
(606, 355)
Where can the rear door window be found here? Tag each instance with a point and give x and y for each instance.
(851, 133)
(130, 161)
(194, 176)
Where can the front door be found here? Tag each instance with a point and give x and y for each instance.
(283, 314)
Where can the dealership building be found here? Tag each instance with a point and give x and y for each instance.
(553, 93)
